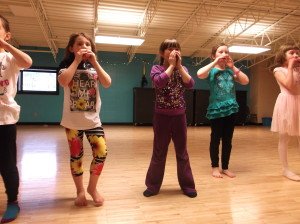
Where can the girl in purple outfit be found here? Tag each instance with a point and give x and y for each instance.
(170, 79)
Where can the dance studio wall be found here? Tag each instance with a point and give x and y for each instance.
(264, 91)
(117, 101)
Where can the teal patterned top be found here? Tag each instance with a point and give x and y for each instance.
(222, 100)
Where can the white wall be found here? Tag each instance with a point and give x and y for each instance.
(263, 92)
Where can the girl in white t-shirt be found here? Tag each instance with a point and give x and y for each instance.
(80, 75)
(12, 61)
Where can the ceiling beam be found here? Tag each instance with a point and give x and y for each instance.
(194, 22)
(95, 29)
(148, 15)
(276, 43)
(267, 39)
(236, 21)
(244, 21)
(44, 25)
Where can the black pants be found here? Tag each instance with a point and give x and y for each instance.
(221, 128)
(8, 161)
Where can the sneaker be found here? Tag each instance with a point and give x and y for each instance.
(11, 212)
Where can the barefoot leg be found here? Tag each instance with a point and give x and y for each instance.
(229, 173)
(216, 172)
(290, 175)
(92, 190)
(80, 199)
(282, 150)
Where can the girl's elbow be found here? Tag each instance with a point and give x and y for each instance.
(62, 82)
(189, 86)
(246, 82)
(26, 63)
(107, 85)
(158, 83)
(201, 75)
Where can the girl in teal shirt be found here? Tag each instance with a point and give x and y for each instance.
(221, 75)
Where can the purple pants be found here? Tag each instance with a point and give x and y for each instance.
(166, 128)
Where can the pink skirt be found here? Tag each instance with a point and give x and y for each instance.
(286, 115)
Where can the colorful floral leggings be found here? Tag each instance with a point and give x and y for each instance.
(96, 139)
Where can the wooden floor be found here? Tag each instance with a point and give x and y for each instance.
(259, 194)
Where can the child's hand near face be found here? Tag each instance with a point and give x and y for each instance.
(178, 59)
(229, 62)
(297, 62)
(294, 62)
(172, 58)
(79, 55)
(90, 56)
(221, 58)
(85, 55)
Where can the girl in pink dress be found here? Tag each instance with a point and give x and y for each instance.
(286, 114)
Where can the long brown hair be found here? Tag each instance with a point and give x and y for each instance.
(70, 55)
(168, 43)
(214, 50)
(280, 55)
(5, 23)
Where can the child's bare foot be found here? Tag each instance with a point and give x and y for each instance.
(290, 175)
(97, 198)
(229, 173)
(81, 199)
(216, 172)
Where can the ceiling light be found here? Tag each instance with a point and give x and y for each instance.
(120, 17)
(248, 49)
(132, 41)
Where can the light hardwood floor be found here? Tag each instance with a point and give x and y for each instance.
(259, 194)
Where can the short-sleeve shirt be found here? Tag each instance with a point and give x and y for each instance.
(9, 73)
(222, 100)
(82, 101)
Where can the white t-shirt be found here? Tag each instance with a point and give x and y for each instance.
(82, 101)
(9, 72)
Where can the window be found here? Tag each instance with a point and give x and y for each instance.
(38, 81)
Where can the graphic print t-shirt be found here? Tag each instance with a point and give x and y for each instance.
(82, 101)
(9, 72)
(83, 91)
